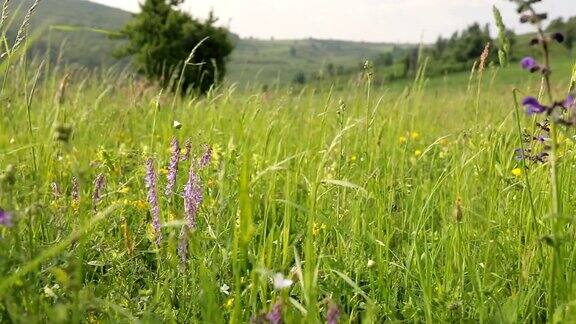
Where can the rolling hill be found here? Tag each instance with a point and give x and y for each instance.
(72, 29)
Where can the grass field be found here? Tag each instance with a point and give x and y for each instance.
(392, 203)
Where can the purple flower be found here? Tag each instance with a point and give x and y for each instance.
(205, 160)
(274, 316)
(333, 314)
(75, 191)
(150, 181)
(568, 102)
(99, 183)
(529, 63)
(519, 154)
(55, 190)
(5, 218)
(183, 244)
(192, 197)
(187, 149)
(533, 106)
(173, 167)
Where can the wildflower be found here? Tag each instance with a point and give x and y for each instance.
(183, 244)
(55, 190)
(150, 181)
(99, 183)
(205, 158)
(533, 106)
(417, 152)
(517, 172)
(371, 263)
(402, 139)
(124, 190)
(225, 289)
(529, 63)
(333, 314)
(5, 218)
(229, 303)
(192, 198)
(279, 282)
(176, 124)
(317, 228)
(173, 167)
(568, 102)
(141, 204)
(75, 193)
(414, 135)
(274, 316)
(187, 149)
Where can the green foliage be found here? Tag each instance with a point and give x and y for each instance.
(161, 39)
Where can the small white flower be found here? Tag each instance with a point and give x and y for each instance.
(280, 282)
(371, 263)
(225, 289)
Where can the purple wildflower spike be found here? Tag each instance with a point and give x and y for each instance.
(150, 181)
(173, 167)
(55, 190)
(183, 244)
(187, 149)
(205, 160)
(192, 197)
(274, 316)
(533, 106)
(75, 191)
(333, 314)
(5, 218)
(529, 63)
(568, 102)
(99, 184)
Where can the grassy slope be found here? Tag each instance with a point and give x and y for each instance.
(261, 61)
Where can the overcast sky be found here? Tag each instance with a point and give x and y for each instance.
(361, 20)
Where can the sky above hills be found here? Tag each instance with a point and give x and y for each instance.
(360, 20)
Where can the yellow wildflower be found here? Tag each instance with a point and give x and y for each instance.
(517, 172)
(229, 303)
(353, 158)
(124, 190)
(402, 139)
(414, 135)
(317, 228)
(418, 152)
(141, 204)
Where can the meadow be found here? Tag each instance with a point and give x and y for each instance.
(347, 203)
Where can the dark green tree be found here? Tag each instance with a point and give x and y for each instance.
(161, 38)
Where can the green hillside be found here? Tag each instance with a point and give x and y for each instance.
(260, 61)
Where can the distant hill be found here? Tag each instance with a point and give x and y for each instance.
(261, 61)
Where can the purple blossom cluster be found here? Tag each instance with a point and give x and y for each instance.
(206, 158)
(559, 112)
(151, 184)
(173, 167)
(75, 191)
(5, 218)
(99, 183)
(192, 197)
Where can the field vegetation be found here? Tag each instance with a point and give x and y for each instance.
(352, 201)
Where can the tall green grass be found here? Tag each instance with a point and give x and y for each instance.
(396, 203)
